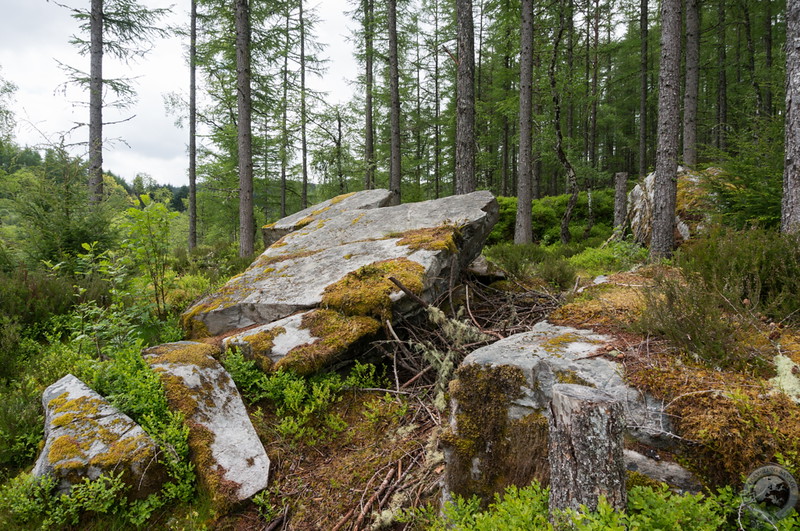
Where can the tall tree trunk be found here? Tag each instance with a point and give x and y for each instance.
(303, 115)
(394, 87)
(369, 128)
(593, 95)
(193, 127)
(692, 81)
(570, 125)
(572, 178)
(768, 55)
(245, 139)
(722, 79)
(96, 102)
(665, 187)
(284, 150)
(751, 57)
(465, 100)
(523, 228)
(790, 206)
(437, 166)
(643, 21)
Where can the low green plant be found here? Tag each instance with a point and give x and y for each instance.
(303, 404)
(614, 257)
(558, 272)
(516, 259)
(527, 509)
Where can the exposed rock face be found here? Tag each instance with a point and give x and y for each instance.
(501, 406)
(229, 458)
(85, 437)
(336, 269)
(640, 206)
(364, 200)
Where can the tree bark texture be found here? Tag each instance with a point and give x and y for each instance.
(692, 83)
(620, 199)
(790, 205)
(643, 89)
(722, 77)
(394, 88)
(465, 99)
(523, 228)
(96, 102)
(303, 112)
(665, 187)
(586, 453)
(369, 128)
(193, 127)
(244, 133)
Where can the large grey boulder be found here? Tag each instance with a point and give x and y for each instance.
(501, 406)
(229, 458)
(336, 271)
(85, 437)
(364, 200)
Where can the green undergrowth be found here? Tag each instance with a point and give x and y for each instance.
(526, 509)
(559, 265)
(303, 405)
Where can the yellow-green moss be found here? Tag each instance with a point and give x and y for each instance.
(199, 354)
(486, 435)
(211, 475)
(65, 447)
(637, 479)
(367, 290)
(128, 449)
(571, 377)
(178, 395)
(337, 334)
(260, 346)
(734, 423)
(340, 198)
(603, 305)
(443, 238)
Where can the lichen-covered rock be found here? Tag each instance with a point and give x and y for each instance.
(364, 200)
(85, 437)
(342, 261)
(501, 406)
(688, 214)
(229, 458)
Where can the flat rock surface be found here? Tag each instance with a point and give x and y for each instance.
(361, 247)
(550, 354)
(85, 437)
(228, 455)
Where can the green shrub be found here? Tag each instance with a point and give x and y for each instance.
(557, 272)
(516, 260)
(616, 256)
(754, 270)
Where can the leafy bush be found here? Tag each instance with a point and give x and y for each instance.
(557, 272)
(516, 260)
(616, 256)
(526, 509)
(302, 403)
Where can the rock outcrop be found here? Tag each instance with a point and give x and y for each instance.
(501, 406)
(331, 277)
(688, 211)
(229, 458)
(85, 437)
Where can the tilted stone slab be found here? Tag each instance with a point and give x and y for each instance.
(364, 200)
(229, 458)
(298, 272)
(501, 406)
(85, 437)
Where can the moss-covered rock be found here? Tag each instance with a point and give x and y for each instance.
(86, 437)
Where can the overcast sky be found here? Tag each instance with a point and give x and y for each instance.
(34, 37)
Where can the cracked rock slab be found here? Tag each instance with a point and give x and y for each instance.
(230, 460)
(85, 437)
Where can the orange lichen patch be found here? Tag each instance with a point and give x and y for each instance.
(443, 238)
(337, 334)
(199, 354)
(367, 290)
(340, 198)
(260, 346)
(732, 420)
(129, 449)
(605, 305)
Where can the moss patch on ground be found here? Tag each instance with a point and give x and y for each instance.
(733, 422)
(606, 305)
(486, 436)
